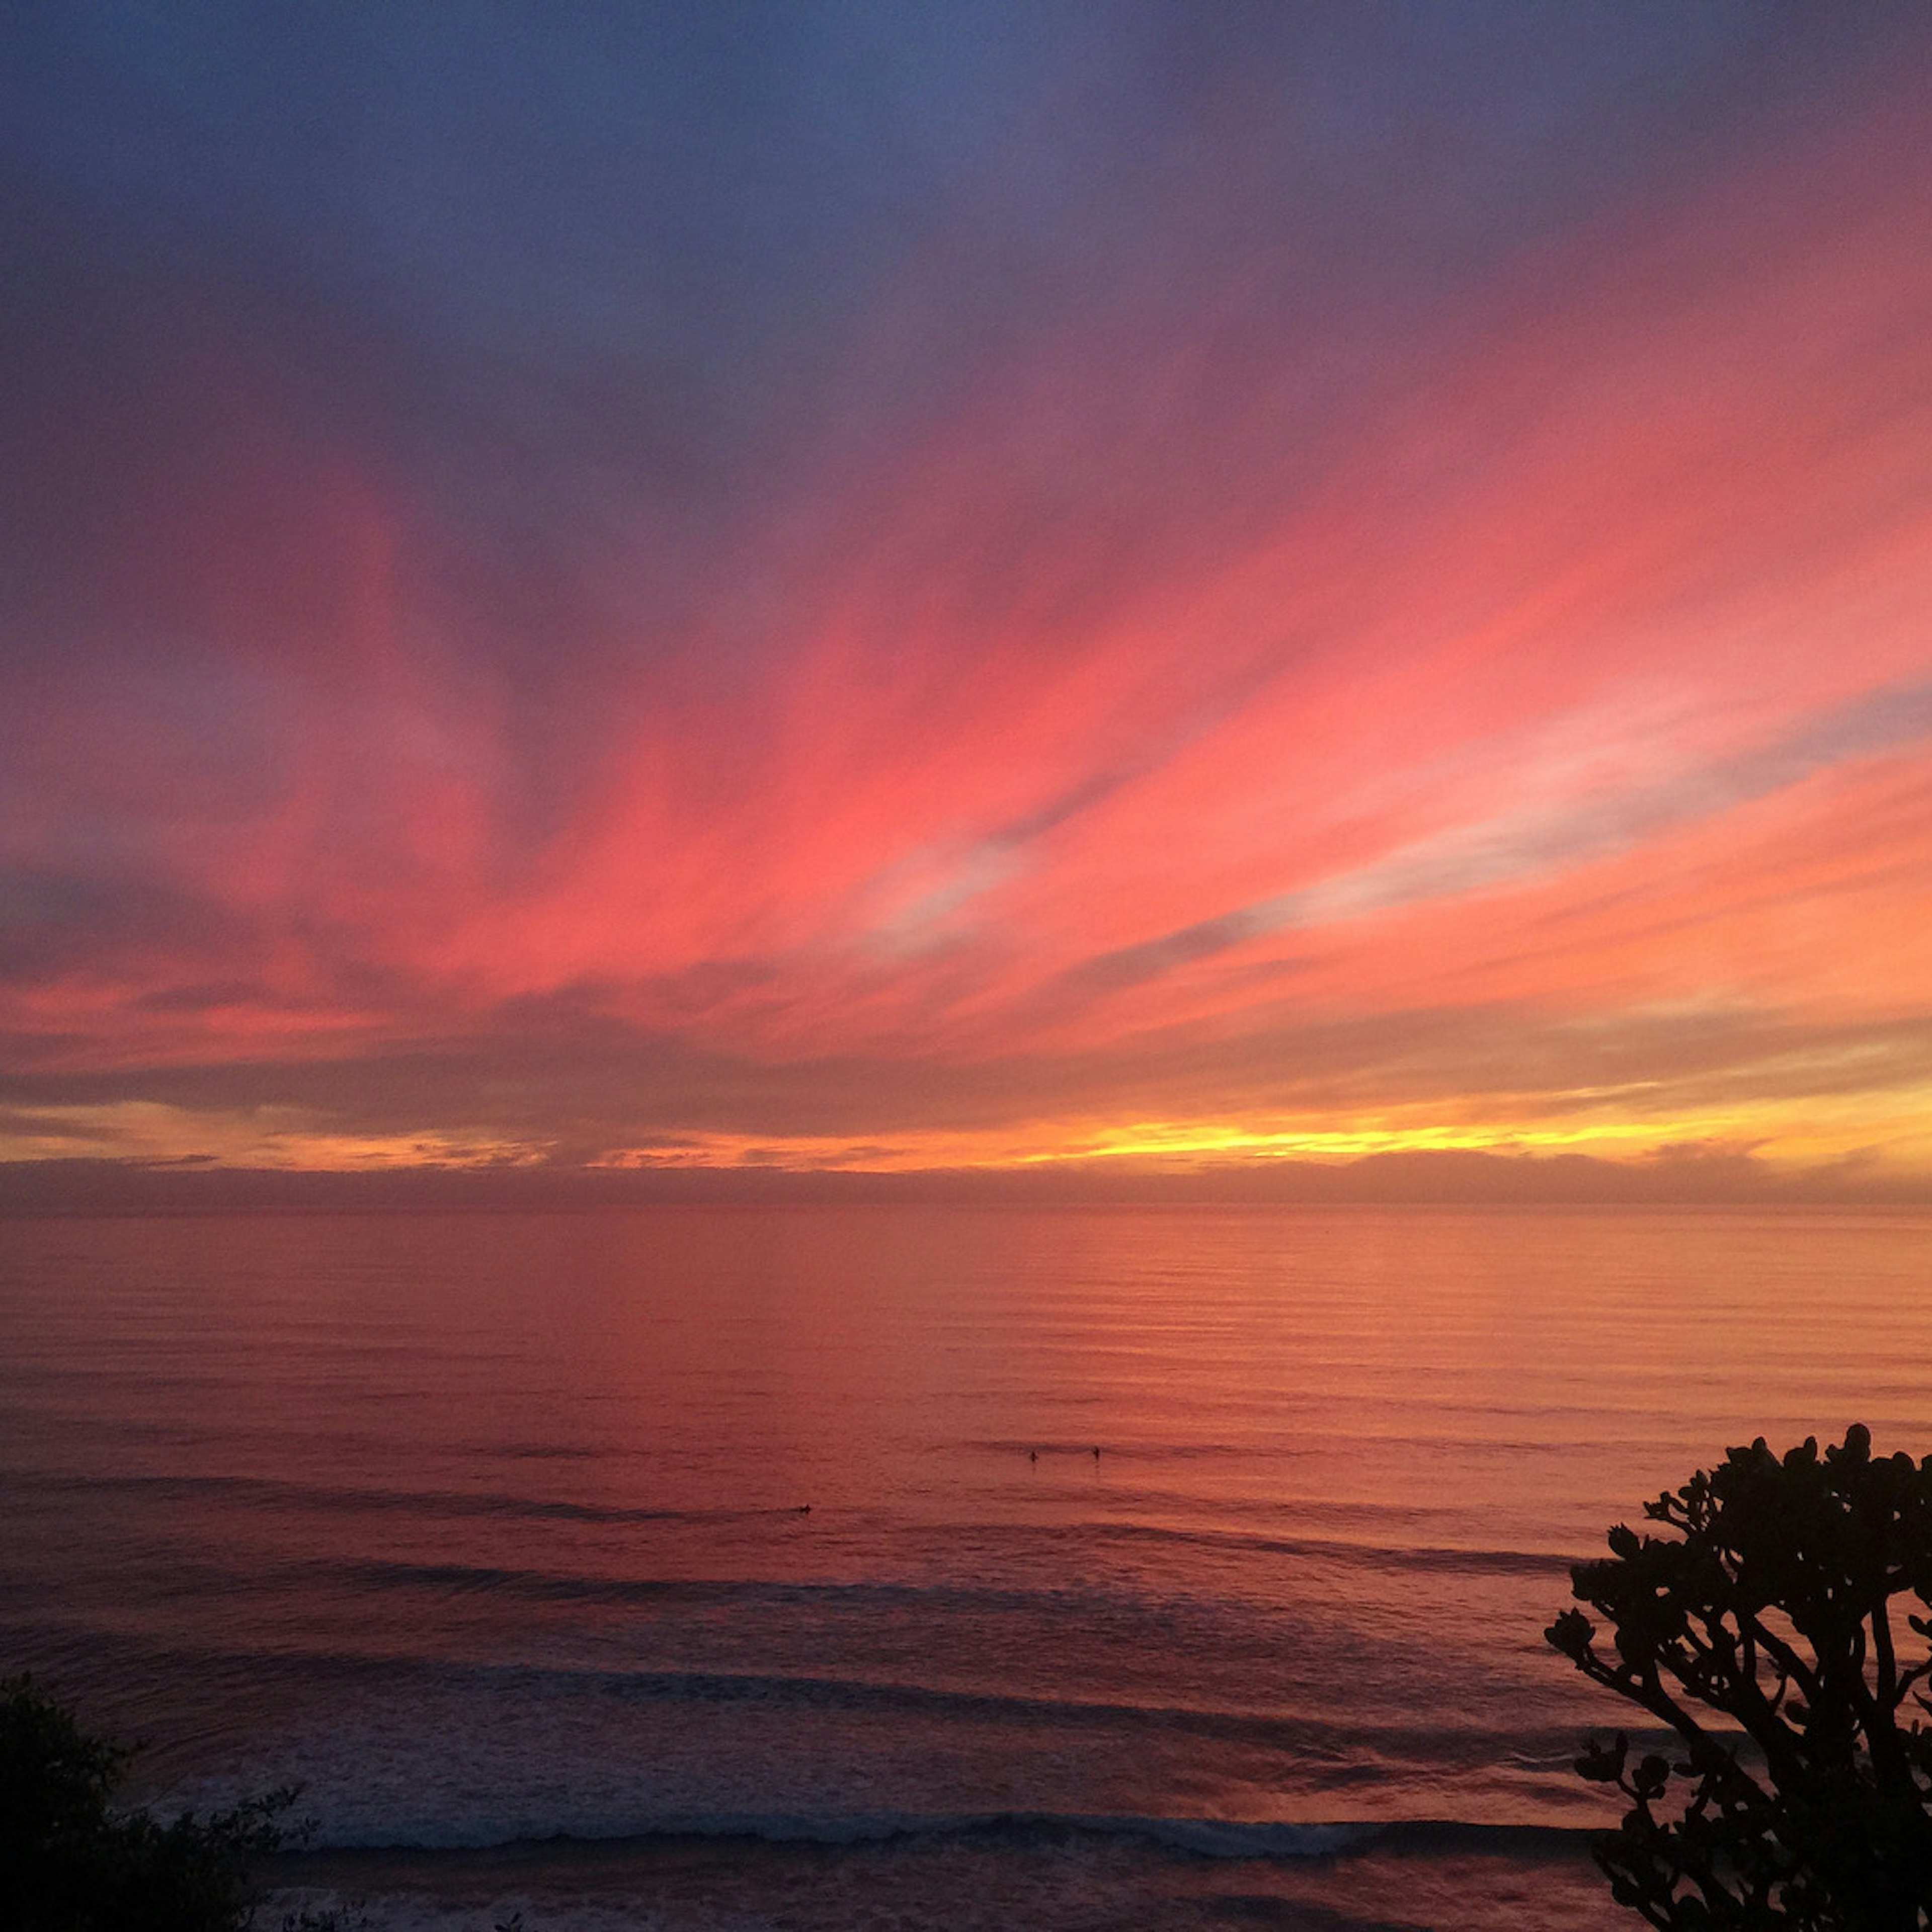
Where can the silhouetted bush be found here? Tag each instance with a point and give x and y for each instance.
(1762, 1631)
(73, 1863)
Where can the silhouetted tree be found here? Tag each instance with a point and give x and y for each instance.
(70, 1861)
(1762, 1630)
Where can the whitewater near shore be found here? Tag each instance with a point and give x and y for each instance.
(993, 1877)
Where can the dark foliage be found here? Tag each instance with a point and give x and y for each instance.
(1762, 1630)
(73, 1863)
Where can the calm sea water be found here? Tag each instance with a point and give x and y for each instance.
(698, 1568)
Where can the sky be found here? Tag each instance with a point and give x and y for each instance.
(904, 588)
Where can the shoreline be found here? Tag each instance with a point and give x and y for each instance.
(1043, 1876)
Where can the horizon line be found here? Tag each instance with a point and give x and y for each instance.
(1422, 1177)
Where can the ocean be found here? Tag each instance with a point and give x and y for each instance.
(856, 1567)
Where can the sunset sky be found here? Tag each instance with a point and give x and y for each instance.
(918, 586)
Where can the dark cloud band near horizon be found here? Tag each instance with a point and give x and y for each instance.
(931, 588)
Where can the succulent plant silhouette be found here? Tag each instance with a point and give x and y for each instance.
(1778, 1625)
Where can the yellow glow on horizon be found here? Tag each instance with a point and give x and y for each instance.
(1890, 1134)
